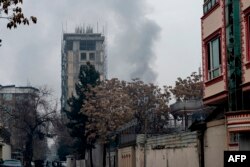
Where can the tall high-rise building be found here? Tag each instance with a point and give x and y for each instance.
(77, 49)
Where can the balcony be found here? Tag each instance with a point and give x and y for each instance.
(238, 121)
(189, 106)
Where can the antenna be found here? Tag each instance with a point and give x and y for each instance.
(200, 73)
(66, 26)
(105, 33)
(97, 28)
(62, 28)
(28, 82)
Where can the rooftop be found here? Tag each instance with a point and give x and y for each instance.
(16, 89)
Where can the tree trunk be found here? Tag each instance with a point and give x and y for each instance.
(109, 157)
(28, 153)
(104, 155)
(91, 157)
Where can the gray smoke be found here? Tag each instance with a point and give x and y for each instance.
(133, 46)
(32, 54)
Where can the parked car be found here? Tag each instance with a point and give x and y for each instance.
(11, 163)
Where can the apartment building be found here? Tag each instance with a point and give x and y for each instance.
(226, 66)
(10, 95)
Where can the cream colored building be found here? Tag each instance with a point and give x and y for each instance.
(77, 49)
(5, 151)
(5, 148)
(10, 95)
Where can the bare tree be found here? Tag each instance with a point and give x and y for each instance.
(32, 115)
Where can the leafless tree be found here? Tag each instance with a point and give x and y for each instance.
(32, 116)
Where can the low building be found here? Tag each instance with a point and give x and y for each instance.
(5, 148)
(10, 96)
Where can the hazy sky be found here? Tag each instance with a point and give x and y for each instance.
(156, 40)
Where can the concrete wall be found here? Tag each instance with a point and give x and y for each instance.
(70, 73)
(5, 152)
(246, 71)
(80, 163)
(213, 22)
(174, 150)
(70, 161)
(111, 159)
(245, 4)
(126, 157)
(97, 155)
(214, 89)
(215, 143)
(177, 150)
(247, 75)
(139, 156)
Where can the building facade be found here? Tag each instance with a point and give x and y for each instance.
(10, 97)
(5, 147)
(226, 65)
(77, 49)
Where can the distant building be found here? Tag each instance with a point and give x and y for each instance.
(77, 49)
(5, 148)
(10, 95)
(226, 66)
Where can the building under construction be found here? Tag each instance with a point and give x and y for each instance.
(77, 49)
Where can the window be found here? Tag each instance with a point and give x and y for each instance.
(87, 45)
(7, 96)
(83, 56)
(69, 45)
(234, 137)
(92, 56)
(214, 58)
(208, 5)
(20, 97)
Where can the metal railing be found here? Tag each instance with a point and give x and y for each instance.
(188, 105)
(170, 126)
